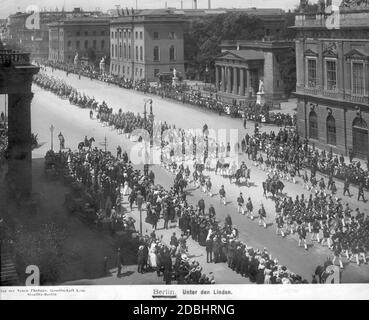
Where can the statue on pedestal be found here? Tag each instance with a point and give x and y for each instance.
(175, 78)
(102, 65)
(76, 58)
(260, 94)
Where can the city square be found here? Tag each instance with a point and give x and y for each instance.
(143, 171)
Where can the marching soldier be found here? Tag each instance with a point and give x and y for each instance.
(361, 191)
(249, 208)
(222, 195)
(280, 224)
(262, 216)
(346, 187)
(240, 202)
(301, 231)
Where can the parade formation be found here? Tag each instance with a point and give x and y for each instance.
(194, 147)
(103, 181)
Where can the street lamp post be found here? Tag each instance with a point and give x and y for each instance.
(52, 137)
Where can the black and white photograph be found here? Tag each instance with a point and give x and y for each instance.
(184, 149)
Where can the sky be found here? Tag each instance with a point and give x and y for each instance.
(11, 6)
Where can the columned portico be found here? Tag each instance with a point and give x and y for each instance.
(235, 75)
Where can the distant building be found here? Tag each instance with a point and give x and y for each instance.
(146, 43)
(332, 60)
(242, 64)
(87, 36)
(30, 31)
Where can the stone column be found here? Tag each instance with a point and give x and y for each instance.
(249, 88)
(242, 82)
(19, 139)
(217, 77)
(229, 80)
(235, 82)
(223, 87)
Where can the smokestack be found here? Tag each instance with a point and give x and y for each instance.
(209, 4)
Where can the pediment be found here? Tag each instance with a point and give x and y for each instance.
(310, 53)
(356, 54)
(230, 56)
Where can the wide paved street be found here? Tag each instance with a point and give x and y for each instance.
(74, 123)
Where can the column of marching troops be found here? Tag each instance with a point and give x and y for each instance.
(285, 147)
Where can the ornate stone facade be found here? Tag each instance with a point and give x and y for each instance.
(332, 86)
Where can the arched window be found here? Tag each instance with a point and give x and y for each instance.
(171, 53)
(360, 123)
(313, 125)
(331, 130)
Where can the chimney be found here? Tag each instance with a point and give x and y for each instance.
(181, 4)
(195, 4)
(209, 4)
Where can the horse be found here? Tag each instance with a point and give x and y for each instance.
(87, 143)
(222, 167)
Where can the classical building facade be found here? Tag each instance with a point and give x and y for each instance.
(87, 36)
(241, 66)
(146, 43)
(332, 59)
(30, 31)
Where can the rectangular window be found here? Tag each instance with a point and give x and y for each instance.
(156, 72)
(94, 33)
(94, 44)
(156, 35)
(69, 44)
(103, 33)
(136, 35)
(331, 74)
(86, 44)
(172, 35)
(156, 53)
(358, 78)
(136, 71)
(102, 44)
(141, 35)
(112, 50)
(86, 33)
(136, 53)
(77, 44)
(141, 73)
(311, 73)
(141, 53)
(124, 69)
(78, 33)
(112, 35)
